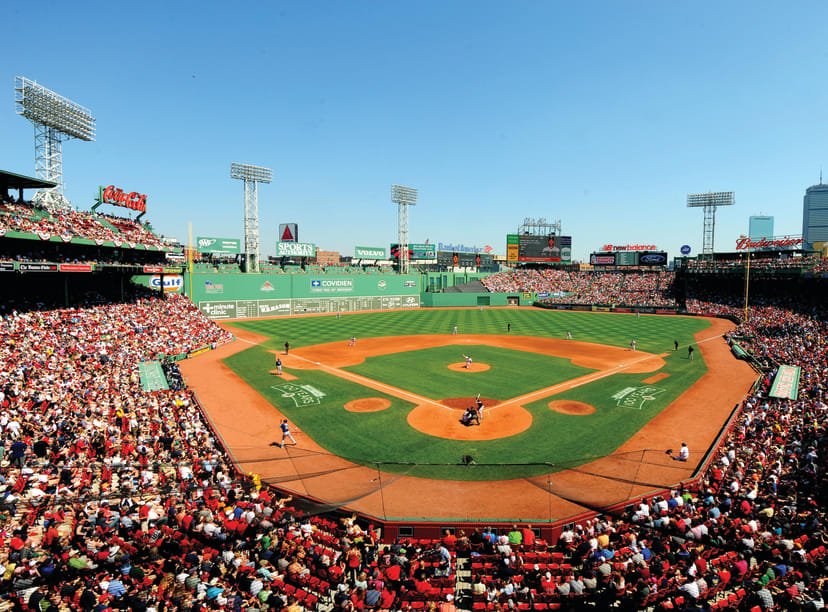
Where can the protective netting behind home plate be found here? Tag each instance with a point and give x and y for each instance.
(332, 482)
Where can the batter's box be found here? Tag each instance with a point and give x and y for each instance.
(636, 397)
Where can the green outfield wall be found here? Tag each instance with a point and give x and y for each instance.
(465, 300)
(437, 281)
(243, 296)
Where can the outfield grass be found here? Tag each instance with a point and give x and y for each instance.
(554, 438)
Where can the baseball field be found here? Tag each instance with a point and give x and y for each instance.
(562, 393)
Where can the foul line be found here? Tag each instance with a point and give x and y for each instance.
(571, 383)
(367, 382)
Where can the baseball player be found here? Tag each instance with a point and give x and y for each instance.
(285, 433)
(278, 365)
(352, 342)
(468, 361)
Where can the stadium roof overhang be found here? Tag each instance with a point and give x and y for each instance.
(19, 182)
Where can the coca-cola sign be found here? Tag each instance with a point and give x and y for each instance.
(764, 243)
(133, 199)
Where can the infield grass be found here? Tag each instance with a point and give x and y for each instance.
(386, 438)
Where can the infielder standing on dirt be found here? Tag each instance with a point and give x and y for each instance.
(285, 433)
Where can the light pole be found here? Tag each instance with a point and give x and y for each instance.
(405, 197)
(709, 202)
(55, 119)
(251, 175)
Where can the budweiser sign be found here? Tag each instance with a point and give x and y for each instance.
(134, 200)
(629, 247)
(764, 243)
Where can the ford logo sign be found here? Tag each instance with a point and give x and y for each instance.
(652, 258)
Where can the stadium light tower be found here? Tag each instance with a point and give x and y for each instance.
(252, 176)
(55, 119)
(709, 201)
(405, 197)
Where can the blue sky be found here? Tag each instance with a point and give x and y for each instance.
(604, 115)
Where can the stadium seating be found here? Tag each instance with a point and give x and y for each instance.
(119, 498)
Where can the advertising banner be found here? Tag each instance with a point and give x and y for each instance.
(332, 285)
(786, 382)
(6, 266)
(553, 249)
(288, 232)
(218, 246)
(416, 251)
(38, 267)
(113, 195)
(218, 310)
(602, 260)
(652, 259)
(295, 249)
(75, 267)
(362, 252)
(512, 248)
(173, 283)
(774, 243)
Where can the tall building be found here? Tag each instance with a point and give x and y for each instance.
(815, 214)
(760, 227)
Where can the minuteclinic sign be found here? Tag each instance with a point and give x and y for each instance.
(327, 285)
(369, 252)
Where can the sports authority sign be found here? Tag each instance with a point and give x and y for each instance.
(361, 252)
(786, 382)
(288, 232)
(764, 243)
(118, 197)
(219, 246)
(295, 249)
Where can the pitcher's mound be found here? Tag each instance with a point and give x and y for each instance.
(367, 404)
(475, 367)
(571, 407)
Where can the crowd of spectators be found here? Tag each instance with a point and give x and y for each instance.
(757, 262)
(576, 287)
(116, 498)
(749, 536)
(68, 223)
